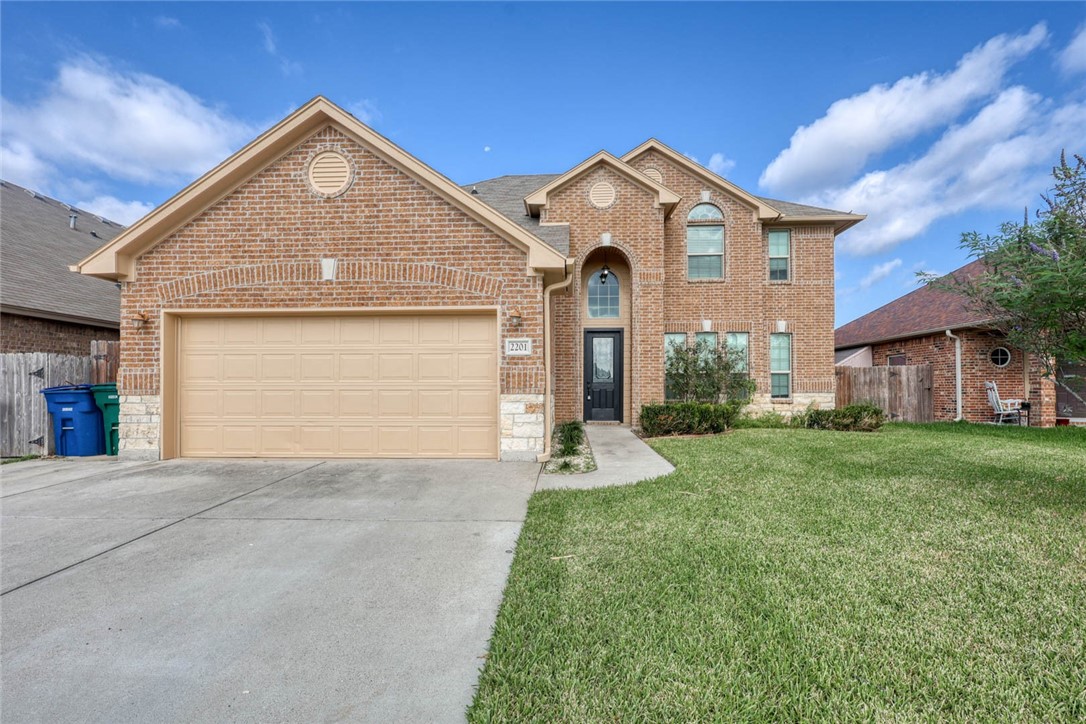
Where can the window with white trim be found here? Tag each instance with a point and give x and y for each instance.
(780, 366)
(705, 243)
(739, 347)
(780, 254)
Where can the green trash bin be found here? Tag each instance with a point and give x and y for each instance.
(105, 396)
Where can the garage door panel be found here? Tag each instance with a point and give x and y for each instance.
(396, 386)
(357, 403)
(240, 403)
(357, 367)
(317, 367)
(395, 439)
(277, 403)
(476, 366)
(277, 368)
(239, 367)
(396, 366)
(200, 368)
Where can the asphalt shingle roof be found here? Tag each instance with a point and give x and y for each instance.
(506, 195)
(36, 247)
(920, 311)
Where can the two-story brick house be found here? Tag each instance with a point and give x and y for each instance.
(323, 293)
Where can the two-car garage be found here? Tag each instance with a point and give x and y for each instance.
(334, 385)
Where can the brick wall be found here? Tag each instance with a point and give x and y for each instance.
(977, 368)
(19, 333)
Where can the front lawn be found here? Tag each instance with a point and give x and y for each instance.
(922, 572)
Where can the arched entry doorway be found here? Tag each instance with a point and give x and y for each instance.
(606, 314)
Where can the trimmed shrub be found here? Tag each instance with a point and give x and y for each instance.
(768, 419)
(689, 418)
(863, 417)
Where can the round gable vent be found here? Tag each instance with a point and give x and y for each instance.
(602, 195)
(329, 173)
(654, 174)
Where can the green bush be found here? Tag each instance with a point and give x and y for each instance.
(689, 418)
(570, 436)
(769, 419)
(863, 417)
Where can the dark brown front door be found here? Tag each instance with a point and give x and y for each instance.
(603, 375)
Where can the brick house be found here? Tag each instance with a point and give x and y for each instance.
(44, 307)
(323, 293)
(932, 326)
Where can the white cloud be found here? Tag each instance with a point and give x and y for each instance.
(692, 157)
(271, 47)
(164, 21)
(838, 145)
(123, 212)
(878, 273)
(366, 111)
(998, 158)
(20, 165)
(126, 125)
(720, 165)
(1073, 58)
(486, 149)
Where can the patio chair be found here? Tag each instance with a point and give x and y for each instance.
(1005, 410)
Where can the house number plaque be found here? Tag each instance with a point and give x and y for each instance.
(518, 347)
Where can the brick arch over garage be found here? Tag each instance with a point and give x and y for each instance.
(488, 287)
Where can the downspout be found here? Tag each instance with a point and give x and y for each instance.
(957, 372)
(547, 422)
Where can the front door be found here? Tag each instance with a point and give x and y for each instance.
(603, 375)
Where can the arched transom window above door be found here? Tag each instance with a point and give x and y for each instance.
(705, 243)
(603, 295)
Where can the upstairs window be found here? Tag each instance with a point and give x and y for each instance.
(780, 252)
(603, 295)
(705, 243)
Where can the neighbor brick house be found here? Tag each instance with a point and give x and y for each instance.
(323, 293)
(913, 330)
(44, 307)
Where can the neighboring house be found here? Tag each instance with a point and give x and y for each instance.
(323, 293)
(913, 330)
(43, 306)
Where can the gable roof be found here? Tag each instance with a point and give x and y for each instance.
(506, 195)
(665, 197)
(921, 311)
(768, 210)
(38, 247)
(116, 259)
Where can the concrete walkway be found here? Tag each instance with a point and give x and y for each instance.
(621, 458)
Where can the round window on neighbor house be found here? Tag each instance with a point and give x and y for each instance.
(1000, 356)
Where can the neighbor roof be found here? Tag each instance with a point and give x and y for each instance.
(38, 247)
(505, 194)
(923, 311)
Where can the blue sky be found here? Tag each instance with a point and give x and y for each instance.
(932, 118)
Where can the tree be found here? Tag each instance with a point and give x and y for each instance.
(1033, 287)
(703, 372)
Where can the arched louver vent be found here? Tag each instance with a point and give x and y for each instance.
(329, 173)
(654, 174)
(602, 195)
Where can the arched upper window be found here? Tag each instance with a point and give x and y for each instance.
(603, 295)
(705, 243)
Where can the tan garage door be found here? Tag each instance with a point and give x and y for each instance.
(349, 386)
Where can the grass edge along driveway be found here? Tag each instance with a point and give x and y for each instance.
(925, 571)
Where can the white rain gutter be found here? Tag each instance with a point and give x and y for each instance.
(957, 372)
(547, 422)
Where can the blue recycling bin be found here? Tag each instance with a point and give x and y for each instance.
(77, 421)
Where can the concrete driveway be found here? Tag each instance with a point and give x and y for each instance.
(252, 590)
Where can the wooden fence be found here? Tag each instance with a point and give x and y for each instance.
(105, 359)
(903, 391)
(24, 420)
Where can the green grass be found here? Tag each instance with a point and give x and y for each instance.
(6, 461)
(923, 572)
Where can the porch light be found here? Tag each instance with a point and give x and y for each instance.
(514, 317)
(139, 320)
